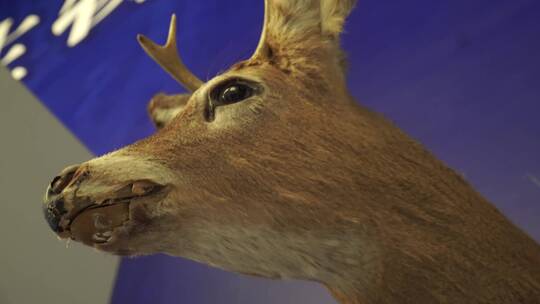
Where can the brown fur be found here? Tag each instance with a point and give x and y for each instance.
(302, 182)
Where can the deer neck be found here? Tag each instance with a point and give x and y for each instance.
(474, 256)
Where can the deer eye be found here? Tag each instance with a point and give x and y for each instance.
(235, 93)
(232, 91)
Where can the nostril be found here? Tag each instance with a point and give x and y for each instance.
(60, 182)
(55, 185)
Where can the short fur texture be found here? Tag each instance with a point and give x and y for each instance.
(302, 182)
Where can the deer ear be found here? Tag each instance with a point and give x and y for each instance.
(293, 22)
(163, 108)
(333, 15)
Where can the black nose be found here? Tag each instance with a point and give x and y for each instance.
(54, 207)
(53, 212)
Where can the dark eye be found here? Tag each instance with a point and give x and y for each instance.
(232, 93)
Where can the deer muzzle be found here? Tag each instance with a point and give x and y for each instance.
(84, 210)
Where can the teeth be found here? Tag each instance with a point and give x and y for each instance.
(101, 237)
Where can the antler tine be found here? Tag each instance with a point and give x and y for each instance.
(262, 47)
(168, 58)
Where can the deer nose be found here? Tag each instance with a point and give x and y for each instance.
(54, 206)
(53, 212)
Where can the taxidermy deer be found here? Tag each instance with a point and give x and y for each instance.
(272, 169)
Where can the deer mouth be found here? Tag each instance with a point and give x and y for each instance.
(96, 222)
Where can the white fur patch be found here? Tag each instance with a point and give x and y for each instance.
(117, 169)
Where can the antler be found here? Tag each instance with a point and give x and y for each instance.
(262, 47)
(168, 58)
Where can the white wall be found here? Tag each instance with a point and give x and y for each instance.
(35, 267)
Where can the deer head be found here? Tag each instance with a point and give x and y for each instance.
(272, 169)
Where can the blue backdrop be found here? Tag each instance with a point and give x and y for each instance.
(461, 76)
